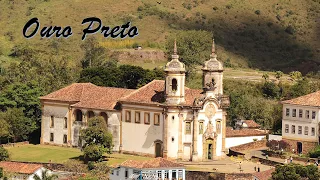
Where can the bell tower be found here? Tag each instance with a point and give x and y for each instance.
(175, 79)
(212, 80)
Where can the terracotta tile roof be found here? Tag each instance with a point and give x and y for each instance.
(251, 124)
(151, 164)
(153, 93)
(312, 99)
(230, 132)
(87, 95)
(21, 168)
(264, 175)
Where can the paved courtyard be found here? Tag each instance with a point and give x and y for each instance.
(227, 165)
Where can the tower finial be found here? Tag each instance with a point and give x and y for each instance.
(175, 47)
(213, 50)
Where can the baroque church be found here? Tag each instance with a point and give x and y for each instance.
(161, 119)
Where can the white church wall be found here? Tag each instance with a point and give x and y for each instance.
(173, 132)
(235, 141)
(59, 112)
(140, 137)
(114, 128)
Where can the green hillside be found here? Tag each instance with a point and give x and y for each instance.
(268, 35)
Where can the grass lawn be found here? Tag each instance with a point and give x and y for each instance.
(42, 153)
(45, 153)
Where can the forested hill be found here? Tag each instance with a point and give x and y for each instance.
(269, 35)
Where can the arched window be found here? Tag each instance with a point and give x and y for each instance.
(78, 115)
(90, 114)
(174, 84)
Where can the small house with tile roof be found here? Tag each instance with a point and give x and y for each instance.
(18, 170)
(157, 168)
(300, 122)
(161, 119)
(235, 137)
(250, 124)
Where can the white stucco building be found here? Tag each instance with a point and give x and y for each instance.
(300, 122)
(161, 119)
(157, 168)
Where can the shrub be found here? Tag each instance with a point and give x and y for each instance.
(315, 153)
(229, 6)
(4, 154)
(257, 12)
(290, 30)
(283, 145)
(269, 24)
(273, 145)
(75, 166)
(215, 8)
(93, 152)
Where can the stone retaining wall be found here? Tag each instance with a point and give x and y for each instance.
(15, 144)
(251, 145)
(197, 175)
(306, 146)
(51, 166)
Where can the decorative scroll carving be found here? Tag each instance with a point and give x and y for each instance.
(174, 65)
(211, 85)
(213, 64)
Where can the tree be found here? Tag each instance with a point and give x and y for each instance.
(4, 129)
(270, 90)
(285, 172)
(132, 76)
(95, 54)
(109, 77)
(194, 47)
(4, 154)
(125, 76)
(295, 75)
(25, 96)
(265, 76)
(97, 139)
(45, 176)
(19, 125)
(296, 171)
(279, 74)
(300, 88)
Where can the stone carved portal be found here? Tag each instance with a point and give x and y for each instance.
(209, 142)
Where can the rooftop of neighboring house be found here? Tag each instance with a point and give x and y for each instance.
(250, 124)
(21, 168)
(312, 99)
(230, 132)
(264, 175)
(155, 163)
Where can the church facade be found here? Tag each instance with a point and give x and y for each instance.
(161, 119)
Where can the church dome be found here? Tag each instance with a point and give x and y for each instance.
(212, 64)
(175, 64)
